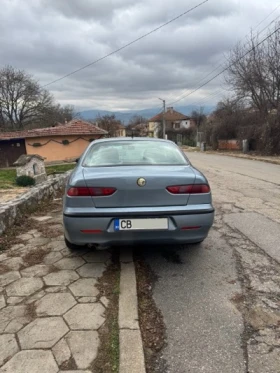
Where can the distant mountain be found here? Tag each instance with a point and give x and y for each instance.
(125, 116)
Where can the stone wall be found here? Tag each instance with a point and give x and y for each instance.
(12, 210)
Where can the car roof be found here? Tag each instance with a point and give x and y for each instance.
(112, 139)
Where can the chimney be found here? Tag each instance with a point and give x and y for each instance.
(170, 109)
(65, 121)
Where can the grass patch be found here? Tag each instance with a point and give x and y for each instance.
(60, 168)
(8, 176)
(107, 360)
(7, 179)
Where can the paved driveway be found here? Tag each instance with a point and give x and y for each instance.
(50, 308)
(221, 304)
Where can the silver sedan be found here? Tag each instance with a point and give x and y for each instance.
(136, 190)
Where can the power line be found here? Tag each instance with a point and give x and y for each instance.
(220, 73)
(126, 45)
(220, 65)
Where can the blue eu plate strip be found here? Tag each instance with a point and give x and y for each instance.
(117, 224)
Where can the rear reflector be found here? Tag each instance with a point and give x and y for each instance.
(190, 228)
(90, 192)
(189, 189)
(89, 231)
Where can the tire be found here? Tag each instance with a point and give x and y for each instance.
(72, 246)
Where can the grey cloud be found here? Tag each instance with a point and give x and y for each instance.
(51, 38)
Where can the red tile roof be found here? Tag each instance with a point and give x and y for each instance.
(74, 127)
(170, 115)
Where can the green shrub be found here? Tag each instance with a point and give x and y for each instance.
(65, 142)
(25, 181)
(36, 144)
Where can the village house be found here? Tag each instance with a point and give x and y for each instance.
(120, 131)
(62, 142)
(173, 121)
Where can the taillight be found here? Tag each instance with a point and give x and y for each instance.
(90, 192)
(189, 189)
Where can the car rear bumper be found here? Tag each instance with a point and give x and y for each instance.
(191, 227)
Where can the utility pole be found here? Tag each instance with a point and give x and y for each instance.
(163, 118)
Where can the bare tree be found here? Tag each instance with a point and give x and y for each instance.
(24, 104)
(254, 72)
(108, 123)
(137, 119)
(254, 76)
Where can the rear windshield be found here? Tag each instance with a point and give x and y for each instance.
(122, 153)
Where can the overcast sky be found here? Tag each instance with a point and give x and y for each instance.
(50, 38)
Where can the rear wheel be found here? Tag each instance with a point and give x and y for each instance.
(72, 246)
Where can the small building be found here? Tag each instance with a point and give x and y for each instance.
(173, 121)
(31, 165)
(62, 142)
(120, 131)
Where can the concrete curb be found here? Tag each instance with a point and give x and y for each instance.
(131, 346)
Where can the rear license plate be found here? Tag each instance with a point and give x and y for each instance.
(141, 224)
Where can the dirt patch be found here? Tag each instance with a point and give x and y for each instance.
(69, 365)
(107, 360)
(151, 320)
(238, 300)
(31, 311)
(35, 257)
(10, 194)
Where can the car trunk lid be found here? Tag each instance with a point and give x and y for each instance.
(130, 194)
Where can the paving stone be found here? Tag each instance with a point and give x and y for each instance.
(3, 257)
(87, 299)
(66, 252)
(91, 270)
(55, 304)
(38, 241)
(14, 264)
(41, 218)
(13, 318)
(56, 289)
(84, 346)
(104, 301)
(33, 231)
(52, 257)
(35, 297)
(16, 247)
(38, 270)
(9, 277)
(14, 300)
(31, 362)
(56, 245)
(74, 371)
(42, 333)
(24, 287)
(64, 277)
(2, 302)
(99, 256)
(70, 263)
(61, 352)
(25, 237)
(84, 287)
(85, 316)
(8, 347)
